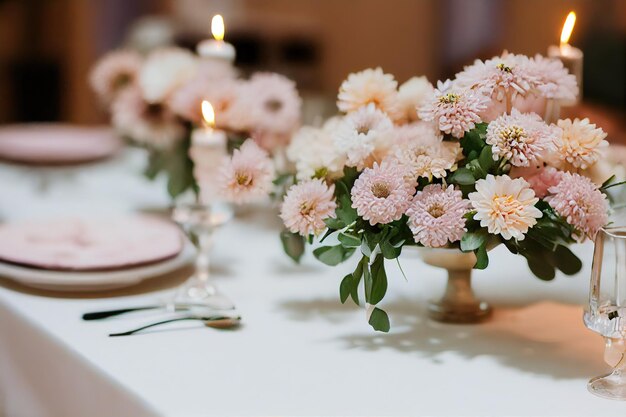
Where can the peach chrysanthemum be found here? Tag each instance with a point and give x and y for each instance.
(581, 203)
(412, 95)
(153, 125)
(307, 205)
(578, 144)
(505, 206)
(522, 139)
(436, 215)
(360, 133)
(381, 194)
(454, 111)
(370, 86)
(247, 176)
(114, 72)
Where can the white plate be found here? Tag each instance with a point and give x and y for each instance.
(95, 281)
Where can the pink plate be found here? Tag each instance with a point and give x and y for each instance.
(56, 144)
(79, 244)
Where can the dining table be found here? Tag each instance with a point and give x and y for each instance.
(298, 351)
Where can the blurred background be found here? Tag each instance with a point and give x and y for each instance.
(49, 46)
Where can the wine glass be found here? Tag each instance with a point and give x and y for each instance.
(606, 312)
(199, 221)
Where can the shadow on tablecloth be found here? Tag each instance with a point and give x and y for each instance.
(544, 338)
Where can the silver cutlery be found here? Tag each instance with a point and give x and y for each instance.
(216, 321)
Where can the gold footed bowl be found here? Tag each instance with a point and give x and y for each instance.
(459, 303)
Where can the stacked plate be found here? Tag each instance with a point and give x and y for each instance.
(83, 254)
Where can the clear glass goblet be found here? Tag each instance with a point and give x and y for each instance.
(199, 221)
(606, 312)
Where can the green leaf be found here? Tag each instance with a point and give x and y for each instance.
(155, 165)
(463, 176)
(334, 223)
(473, 240)
(356, 279)
(542, 269)
(367, 282)
(379, 320)
(379, 281)
(345, 288)
(486, 159)
(482, 259)
(349, 241)
(293, 244)
(332, 255)
(391, 251)
(345, 212)
(566, 261)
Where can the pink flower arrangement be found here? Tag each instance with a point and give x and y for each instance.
(116, 71)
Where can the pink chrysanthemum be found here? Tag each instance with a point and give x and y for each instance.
(454, 111)
(436, 215)
(498, 77)
(247, 176)
(539, 178)
(224, 96)
(581, 203)
(273, 102)
(381, 194)
(522, 139)
(553, 80)
(148, 124)
(114, 72)
(306, 205)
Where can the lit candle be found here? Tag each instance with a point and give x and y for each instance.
(217, 49)
(207, 151)
(571, 57)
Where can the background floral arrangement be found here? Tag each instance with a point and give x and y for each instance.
(468, 165)
(155, 102)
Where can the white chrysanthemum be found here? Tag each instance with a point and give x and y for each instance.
(412, 95)
(425, 154)
(578, 144)
(313, 152)
(522, 139)
(505, 206)
(165, 70)
(370, 86)
(359, 134)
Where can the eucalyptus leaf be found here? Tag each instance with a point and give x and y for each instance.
(482, 259)
(349, 241)
(379, 281)
(332, 255)
(379, 320)
(293, 244)
(566, 261)
(473, 240)
(463, 176)
(345, 288)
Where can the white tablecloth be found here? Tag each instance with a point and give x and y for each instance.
(299, 351)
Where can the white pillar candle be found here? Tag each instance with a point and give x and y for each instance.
(570, 56)
(217, 49)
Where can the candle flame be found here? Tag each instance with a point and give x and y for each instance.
(207, 113)
(217, 27)
(568, 27)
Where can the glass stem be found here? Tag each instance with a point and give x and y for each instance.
(203, 258)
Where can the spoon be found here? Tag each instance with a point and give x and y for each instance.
(218, 322)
